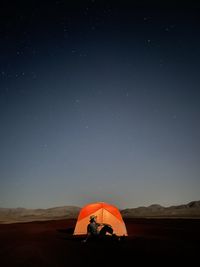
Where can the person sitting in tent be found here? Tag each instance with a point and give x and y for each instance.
(93, 230)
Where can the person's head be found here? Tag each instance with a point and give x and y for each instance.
(93, 218)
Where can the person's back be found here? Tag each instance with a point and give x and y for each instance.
(92, 228)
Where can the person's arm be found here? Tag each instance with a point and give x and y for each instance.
(87, 237)
(88, 233)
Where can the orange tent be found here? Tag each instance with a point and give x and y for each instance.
(105, 213)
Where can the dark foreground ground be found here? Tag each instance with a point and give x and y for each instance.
(50, 243)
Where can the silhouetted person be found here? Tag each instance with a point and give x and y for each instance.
(93, 229)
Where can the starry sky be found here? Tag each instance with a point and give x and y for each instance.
(99, 101)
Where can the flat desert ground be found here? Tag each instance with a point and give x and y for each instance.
(51, 243)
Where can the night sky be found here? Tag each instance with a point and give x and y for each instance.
(99, 101)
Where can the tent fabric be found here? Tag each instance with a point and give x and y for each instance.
(105, 213)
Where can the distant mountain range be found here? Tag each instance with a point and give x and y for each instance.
(26, 215)
(9, 215)
(190, 210)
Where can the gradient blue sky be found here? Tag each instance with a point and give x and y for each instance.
(99, 102)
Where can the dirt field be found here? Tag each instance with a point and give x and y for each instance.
(51, 243)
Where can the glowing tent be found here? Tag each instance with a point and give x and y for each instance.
(105, 213)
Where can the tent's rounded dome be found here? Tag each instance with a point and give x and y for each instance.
(106, 213)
